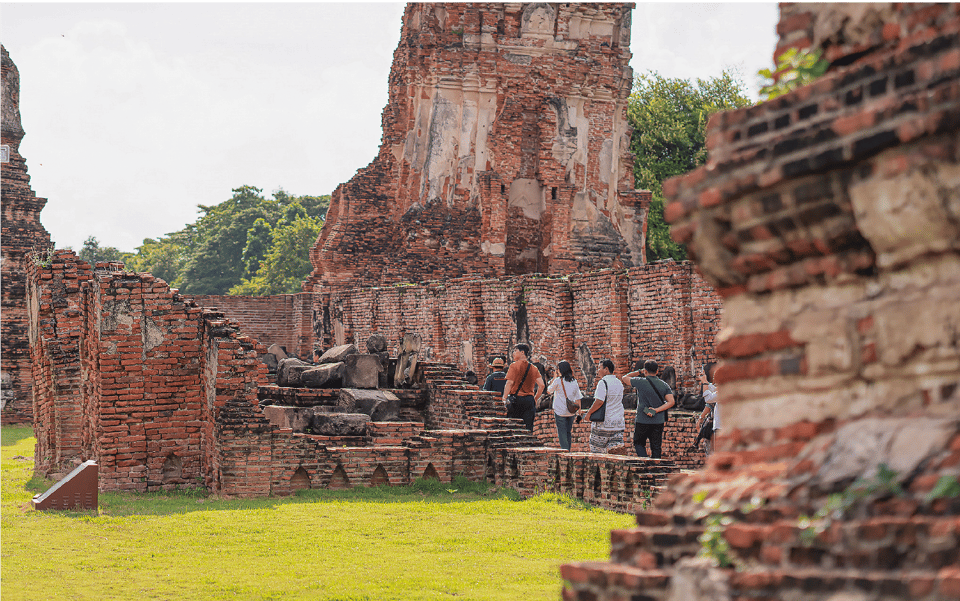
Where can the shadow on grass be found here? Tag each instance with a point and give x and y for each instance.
(189, 500)
(12, 435)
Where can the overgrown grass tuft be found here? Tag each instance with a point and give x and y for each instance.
(428, 540)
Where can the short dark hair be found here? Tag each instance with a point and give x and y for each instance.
(523, 347)
(565, 370)
(708, 370)
(651, 366)
(608, 364)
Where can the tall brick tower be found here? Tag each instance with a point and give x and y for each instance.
(22, 232)
(505, 150)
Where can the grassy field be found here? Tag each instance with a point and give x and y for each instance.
(426, 541)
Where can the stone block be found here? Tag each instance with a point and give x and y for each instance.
(380, 405)
(338, 353)
(340, 424)
(278, 351)
(271, 362)
(296, 418)
(362, 371)
(289, 372)
(329, 375)
(376, 344)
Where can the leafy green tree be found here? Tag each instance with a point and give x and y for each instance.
(228, 242)
(93, 253)
(315, 206)
(216, 260)
(287, 263)
(258, 242)
(669, 120)
(163, 257)
(794, 68)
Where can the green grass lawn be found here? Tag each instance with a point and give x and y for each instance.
(426, 541)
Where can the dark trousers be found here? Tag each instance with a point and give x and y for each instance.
(524, 409)
(640, 435)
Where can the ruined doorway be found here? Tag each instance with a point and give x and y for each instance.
(525, 228)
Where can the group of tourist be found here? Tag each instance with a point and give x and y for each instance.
(522, 386)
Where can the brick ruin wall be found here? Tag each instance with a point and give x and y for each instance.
(663, 311)
(505, 151)
(21, 233)
(283, 319)
(163, 393)
(829, 220)
(129, 374)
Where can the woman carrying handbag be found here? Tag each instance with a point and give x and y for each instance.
(566, 402)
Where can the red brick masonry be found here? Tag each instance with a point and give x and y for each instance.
(829, 219)
(21, 233)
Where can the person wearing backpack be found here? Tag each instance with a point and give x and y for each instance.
(654, 398)
(523, 388)
(566, 402)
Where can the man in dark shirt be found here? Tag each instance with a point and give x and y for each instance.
(650, 418)
(526, 383)
(497, 378)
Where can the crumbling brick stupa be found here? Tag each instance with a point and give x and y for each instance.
(829, 219)
(21, 233)
(505, 151)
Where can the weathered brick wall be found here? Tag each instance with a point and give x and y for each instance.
(164, 393)
(142, 348)
(284, 319)
(131, 375)
(505, 150)
(22, 233)
(663, 311)
(236, 436)
(55, 327)
(829, 220)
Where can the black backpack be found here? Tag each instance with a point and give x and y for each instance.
(691, 402)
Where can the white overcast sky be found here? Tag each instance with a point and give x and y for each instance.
(136, 113)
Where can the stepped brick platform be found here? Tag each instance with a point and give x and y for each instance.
(829, 220)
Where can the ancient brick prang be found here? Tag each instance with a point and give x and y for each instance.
(505, 151)
(829, 218)
(21, 233)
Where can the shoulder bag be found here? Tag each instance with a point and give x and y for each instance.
(512, 398)
(601, 414)
(666, 414)
(572, 406)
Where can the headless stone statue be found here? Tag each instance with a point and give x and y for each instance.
(407, 360)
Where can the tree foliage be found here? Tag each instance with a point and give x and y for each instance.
(669, 120)
(258, 242)
(93, 253)
(287, 263)
(794, 68)
(230, 243)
